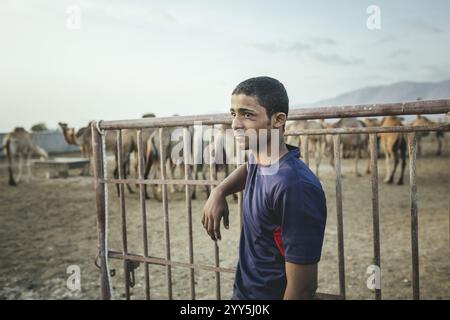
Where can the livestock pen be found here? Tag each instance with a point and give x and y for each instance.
(131, 259)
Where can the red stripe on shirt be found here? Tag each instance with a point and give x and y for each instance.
(278, 239)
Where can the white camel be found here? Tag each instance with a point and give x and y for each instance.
(19, 144)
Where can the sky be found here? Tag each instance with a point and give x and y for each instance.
(76, 61)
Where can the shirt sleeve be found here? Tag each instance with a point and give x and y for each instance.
(302, 209)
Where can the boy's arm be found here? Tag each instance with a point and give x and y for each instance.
(301, 281)
(216, 206)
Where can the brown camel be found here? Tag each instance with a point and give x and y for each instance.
(350, 143)
(394, 145)
(424, 121)
(20, 144)
(316, 143)
(83, 139)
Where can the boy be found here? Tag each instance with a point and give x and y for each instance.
(284, 211)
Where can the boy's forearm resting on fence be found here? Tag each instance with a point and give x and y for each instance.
(235, 182)
(216, 206)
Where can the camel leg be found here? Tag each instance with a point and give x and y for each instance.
(194, 173)
(387, 157)
(368, 171)
(403, 156)
(396, 161)
(171, 174)
(10, 169)
(356, 162)
(207, 188)
(19, 176)
(148, 166)
(439, 141)
(419, 145)
(318, 156)
(28, 165)
(126, 171)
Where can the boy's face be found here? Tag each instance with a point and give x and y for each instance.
(250, 117)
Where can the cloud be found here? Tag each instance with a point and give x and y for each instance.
(301, 47)
(323, 41)
(414, 27)
(336, 59)
(386, 39)
(436, 72)
(400, 52)
(296, 47)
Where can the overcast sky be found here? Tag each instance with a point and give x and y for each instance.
(185, 57)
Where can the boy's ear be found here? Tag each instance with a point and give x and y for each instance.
(279, 119)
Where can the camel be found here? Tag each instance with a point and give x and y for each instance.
(153, 157)
(372, 123)
(350, 142)
(83, 139)
(424, 121)
(172, 140)
(394, 145)
(316, 143)
(19, 144)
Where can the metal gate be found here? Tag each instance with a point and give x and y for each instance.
(98, 129)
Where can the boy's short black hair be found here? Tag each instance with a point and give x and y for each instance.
(270, 93)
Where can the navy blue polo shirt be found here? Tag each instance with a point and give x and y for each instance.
(284, 216)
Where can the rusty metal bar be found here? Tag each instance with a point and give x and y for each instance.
(412, 151)
(369, 110)
(434, 127)
(339, 212)
(213, 177)
(166, 210)
(162, 182)
(306, 149)
(375, 206)
(165, 262)
(187, 173)
(105, 290)
(122, 212)
(141, 168)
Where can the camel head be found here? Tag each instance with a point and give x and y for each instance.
(68, 133)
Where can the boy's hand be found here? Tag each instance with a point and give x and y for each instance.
(215, 208)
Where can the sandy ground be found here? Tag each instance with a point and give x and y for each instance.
(48, 225)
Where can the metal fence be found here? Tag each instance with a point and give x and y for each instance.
(407, 108)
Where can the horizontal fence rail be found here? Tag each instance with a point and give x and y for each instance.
(370, 110)
(120, 180)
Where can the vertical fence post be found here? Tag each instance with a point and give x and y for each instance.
(412, 150)
(213, 177)
(141, 166)
(100, 185)
(188, 161)
(375, 207)
(162, 146)
(340, 224)
(122, 212)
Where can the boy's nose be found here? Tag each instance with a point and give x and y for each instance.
(236, 124)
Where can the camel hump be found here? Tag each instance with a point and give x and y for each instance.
(19, 129)
(80, 132)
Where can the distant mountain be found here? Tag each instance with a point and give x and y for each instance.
(397, 92)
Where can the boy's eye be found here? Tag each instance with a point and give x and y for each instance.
(233, 114)
(247, 115)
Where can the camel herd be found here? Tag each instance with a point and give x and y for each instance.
(392, 144)
(18, 145)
